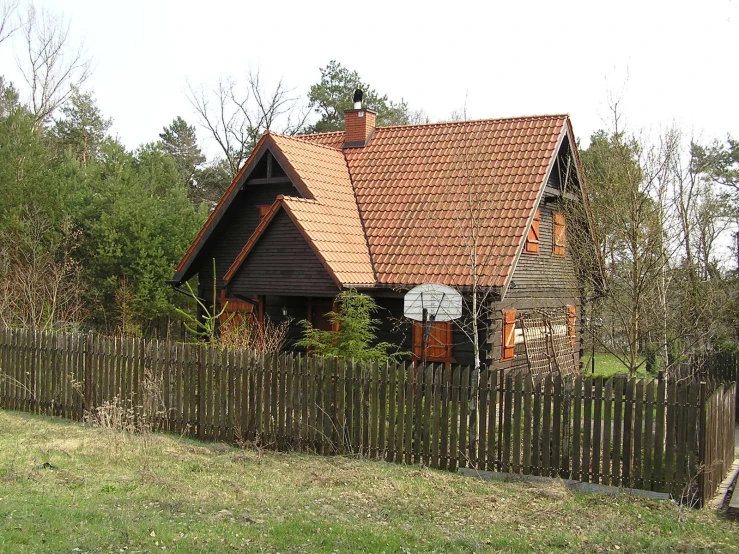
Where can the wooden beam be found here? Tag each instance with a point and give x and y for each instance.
(551, 191)
(269, 181)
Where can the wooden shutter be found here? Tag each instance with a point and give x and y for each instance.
(532, 239)
(439, 347)
(571, 321)
(558, 234)
(508, 344)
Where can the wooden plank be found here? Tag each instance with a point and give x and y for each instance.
(536, 468)
(428, 383)
(418, 412)
(409, 397)
(627, 451)
(274, 399)
(399, 438)
(647, 457)
(482, 417)
(671, 436)
(492, 416)
(527, 424)
(359, 406)
(587, 430)
(454, 420)
(366, 423)
(517, 422)
(658, 474)
(464, 404)
(546, 427)
(444, 427)
(507, 423)
(577, 393)
(692, 432)
(681, 443)
(557, 427)
(303, 366)
(637, 466)
(597, 446)
(382, 434)
(618, 400)
(436, 399)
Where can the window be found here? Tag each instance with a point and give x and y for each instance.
(532, 239)
(571, 330)
(558, 234)
(439, 345)
(263, 209)
(508, 344)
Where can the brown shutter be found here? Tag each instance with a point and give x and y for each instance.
(532, 239)
(558, 234)
(508, 345)
(571, 321)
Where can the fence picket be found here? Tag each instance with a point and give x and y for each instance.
(645, 434)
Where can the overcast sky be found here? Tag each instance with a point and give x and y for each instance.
(667, 61)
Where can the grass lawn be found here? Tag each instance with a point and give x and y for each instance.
(111, 492)
(607, 365)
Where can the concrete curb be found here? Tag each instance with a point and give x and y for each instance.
(575, 486)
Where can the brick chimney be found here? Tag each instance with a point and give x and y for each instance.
(359, 124)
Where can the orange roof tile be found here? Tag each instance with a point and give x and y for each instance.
(411, 206)
(427, 194)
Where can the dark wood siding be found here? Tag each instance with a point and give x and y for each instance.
(539, 281)
(234, 231)
(282, 262)
(397, 329)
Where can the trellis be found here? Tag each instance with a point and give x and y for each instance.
(548, 343)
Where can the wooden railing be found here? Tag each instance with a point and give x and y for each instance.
(645, 434)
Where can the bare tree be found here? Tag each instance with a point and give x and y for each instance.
(40, 281)
(8, 23)
(237, 116)
(51, 65)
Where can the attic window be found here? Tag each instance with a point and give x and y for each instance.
(532, 239)
(558, 234)
(439, 345)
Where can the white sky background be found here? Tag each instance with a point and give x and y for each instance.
(668, 62)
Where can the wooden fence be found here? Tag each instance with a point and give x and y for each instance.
(645, 434)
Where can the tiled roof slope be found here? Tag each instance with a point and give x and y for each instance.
(427, 194)
(331, 221)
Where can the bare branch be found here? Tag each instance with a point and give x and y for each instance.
(52, 66)
(8, 24)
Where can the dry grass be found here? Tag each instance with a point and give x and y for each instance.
(162, 492)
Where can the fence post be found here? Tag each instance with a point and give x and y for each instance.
(200, 391)
(87, 354)
(702, 442)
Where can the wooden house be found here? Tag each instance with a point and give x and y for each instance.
(382, 209)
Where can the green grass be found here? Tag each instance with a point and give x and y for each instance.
(112, 492)
(607, 365)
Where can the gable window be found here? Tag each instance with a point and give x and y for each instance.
(508, 344)
(532, 239)
(263, 209)
(439, 344)
(558, 234)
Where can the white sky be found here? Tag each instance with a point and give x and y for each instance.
(668, 61)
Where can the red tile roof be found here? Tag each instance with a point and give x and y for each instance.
(418, 201)
(428, 193)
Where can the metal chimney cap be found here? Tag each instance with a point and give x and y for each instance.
(358, 95)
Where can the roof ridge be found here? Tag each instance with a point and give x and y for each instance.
(483, 120)
(295, 137)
